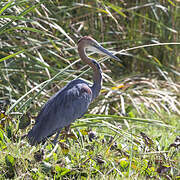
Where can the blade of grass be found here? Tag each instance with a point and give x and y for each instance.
(6, 6)
(12, 55)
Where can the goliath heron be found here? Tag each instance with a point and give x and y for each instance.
(72, 101)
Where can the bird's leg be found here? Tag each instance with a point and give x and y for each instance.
(56, 137)
(67, 129)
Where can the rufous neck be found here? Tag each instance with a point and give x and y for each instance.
(97, 75)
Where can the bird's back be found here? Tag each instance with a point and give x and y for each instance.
(68, 104)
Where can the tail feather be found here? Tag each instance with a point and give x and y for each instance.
(35, 135)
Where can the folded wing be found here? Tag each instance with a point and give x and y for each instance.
(61, 110)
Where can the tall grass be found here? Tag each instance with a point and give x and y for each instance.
(38, 56)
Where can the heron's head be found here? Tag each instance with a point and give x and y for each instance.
(92, 45)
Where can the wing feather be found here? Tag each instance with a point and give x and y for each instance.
(61, 110)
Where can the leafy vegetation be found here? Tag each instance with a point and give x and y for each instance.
(131, 131)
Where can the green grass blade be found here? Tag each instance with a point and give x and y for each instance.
(5, 7)
(12, 55)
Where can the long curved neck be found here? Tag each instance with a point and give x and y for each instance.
(97, 76)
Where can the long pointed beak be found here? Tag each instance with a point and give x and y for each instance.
(106, 52)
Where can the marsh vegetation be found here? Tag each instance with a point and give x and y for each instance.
(131, 131)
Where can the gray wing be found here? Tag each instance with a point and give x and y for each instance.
(63, 108)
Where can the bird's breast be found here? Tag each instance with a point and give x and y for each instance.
(85, 88)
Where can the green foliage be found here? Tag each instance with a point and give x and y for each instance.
(132, 129)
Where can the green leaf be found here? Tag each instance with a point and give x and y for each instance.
(10, 161)
(1, 134)
(5, 7)
(117, 9)
(65, 172)
(61, 170)
(124, 163)
(12, 55)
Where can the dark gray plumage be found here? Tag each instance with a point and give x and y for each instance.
(72, 101)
